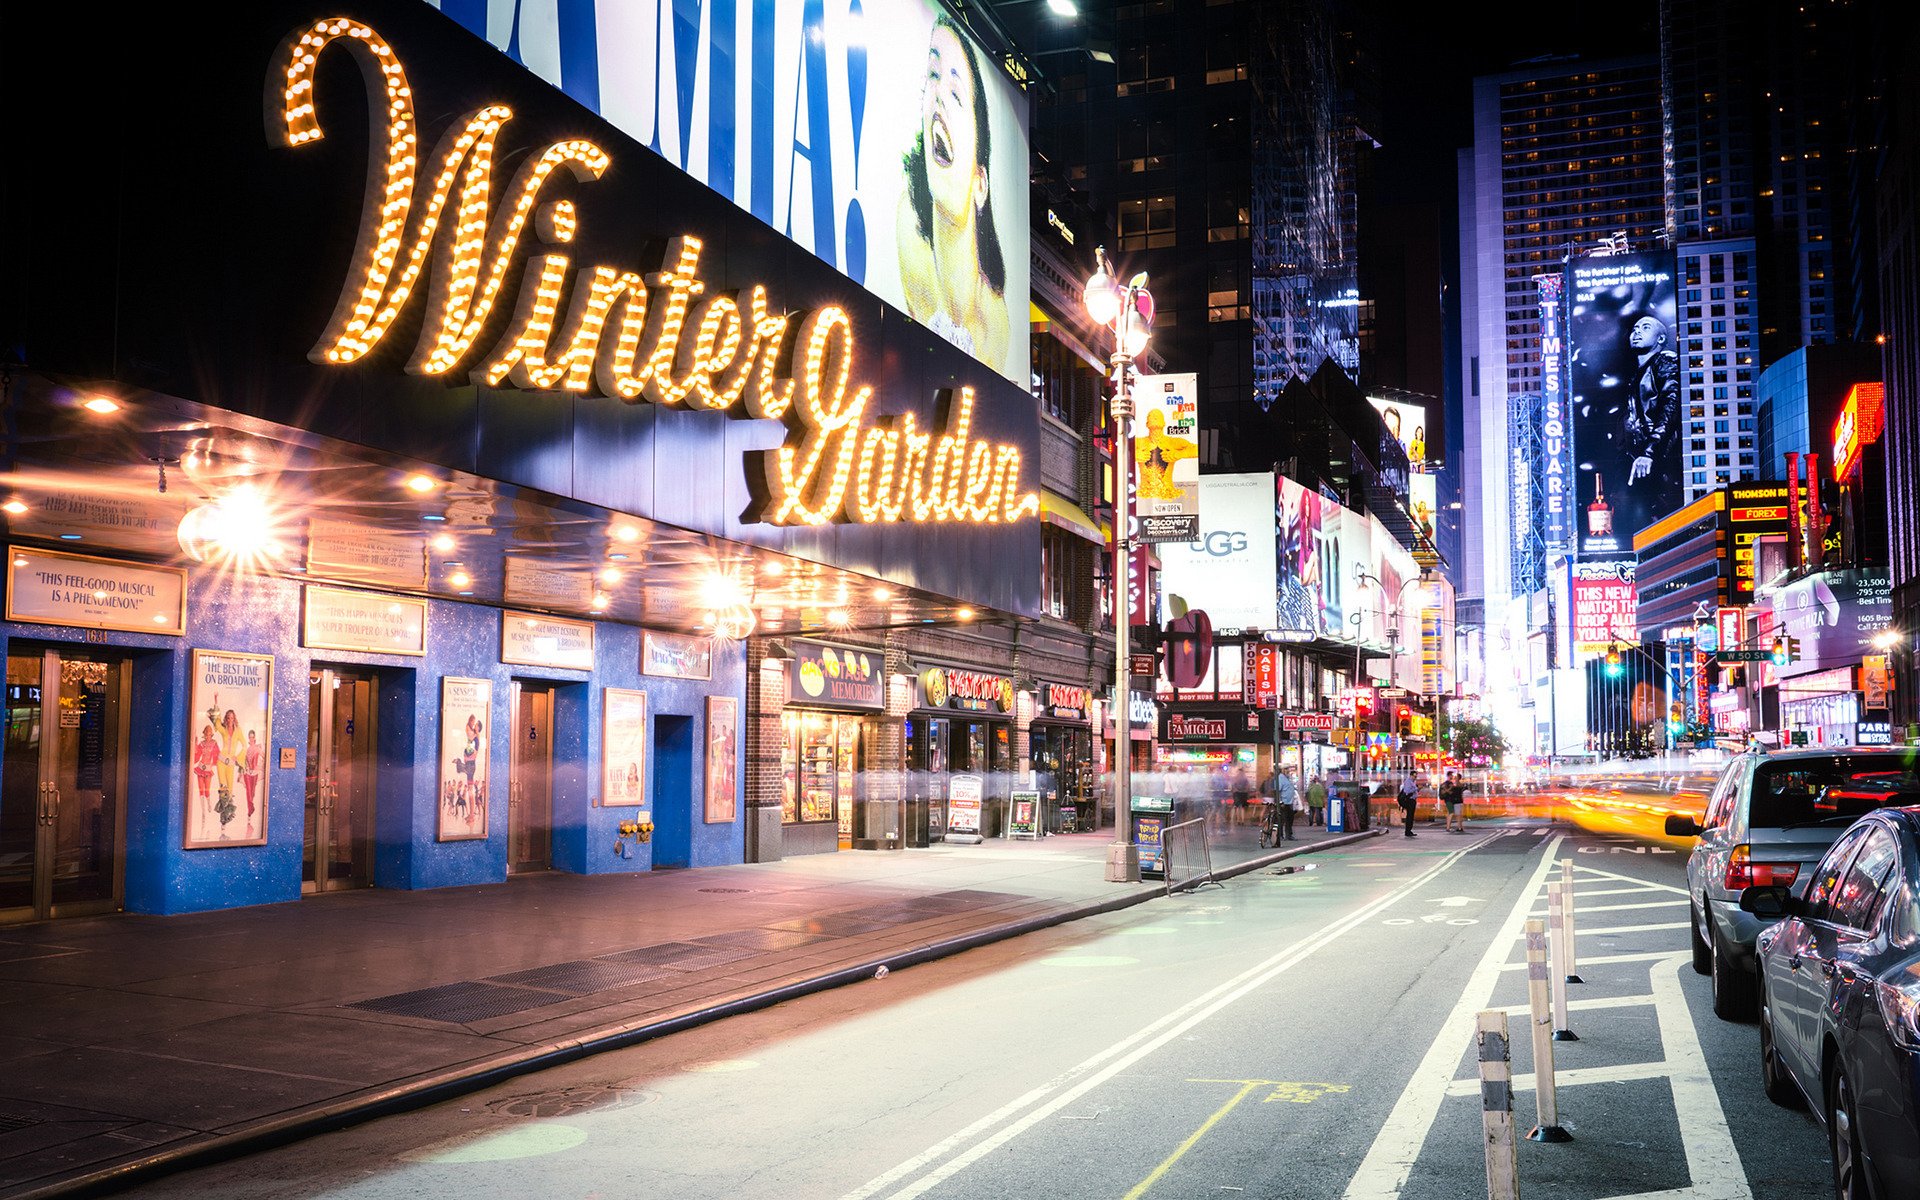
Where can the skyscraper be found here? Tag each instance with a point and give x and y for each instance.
(1566, 155)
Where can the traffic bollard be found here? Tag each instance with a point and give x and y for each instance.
(1546, 1108)
(1496, 1107)
(1572, 960)
(1561, 954)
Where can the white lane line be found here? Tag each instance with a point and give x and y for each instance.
(1618, 929)
(1584, 909)
(1594, 960)
(1572, 1077)
(1522, 1010)
(1646, 884)
(1391, 1157)
(1713, 1162)
(1612, 891)
(1130, 1050)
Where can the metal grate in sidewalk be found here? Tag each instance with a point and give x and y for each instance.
(459, 1003)
(582, 978)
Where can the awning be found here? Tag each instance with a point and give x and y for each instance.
(1066, 515)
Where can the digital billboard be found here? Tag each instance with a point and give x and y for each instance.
(1229, 569)
(1834, 615)
(1605, 607)
(1407, 423)
(1755, 512)
(878, 137)
(1623, 369)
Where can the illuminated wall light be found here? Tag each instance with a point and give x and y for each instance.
(19, 560)
(443, 542)
(775, 569)
(460, 579)
(102, 405)
(610, 575)
(421, 484)
(626, 533)
(964, 614)
(881, 593)
(736, 353)
(16, 507)
(240, 529)
(599, 601)
(839, 616)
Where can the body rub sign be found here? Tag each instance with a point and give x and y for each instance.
(660, 337)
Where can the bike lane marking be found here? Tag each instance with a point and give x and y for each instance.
(1390, 1159)
(1124, 1053)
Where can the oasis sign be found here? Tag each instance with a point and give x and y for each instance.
(441, 233)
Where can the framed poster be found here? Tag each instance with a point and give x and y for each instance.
(675, 655)
(623, 748)
(229, 718)
(723, 759)
(466, 705)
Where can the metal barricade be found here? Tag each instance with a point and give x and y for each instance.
(1187, 855)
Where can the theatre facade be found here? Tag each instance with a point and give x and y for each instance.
(415, 478)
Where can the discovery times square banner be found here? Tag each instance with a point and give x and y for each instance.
(875, 135)
(1624, 396)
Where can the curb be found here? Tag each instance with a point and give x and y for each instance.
(456, 1081)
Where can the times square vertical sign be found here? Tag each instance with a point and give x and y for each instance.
(1553, 411)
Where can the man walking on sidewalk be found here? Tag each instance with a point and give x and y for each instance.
(1409, 802)
(1316, 802)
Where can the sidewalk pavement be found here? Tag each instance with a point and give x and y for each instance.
(132, 1044)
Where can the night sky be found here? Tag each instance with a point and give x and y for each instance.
(1430, 54)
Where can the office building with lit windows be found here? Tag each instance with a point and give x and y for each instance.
(1566, 158)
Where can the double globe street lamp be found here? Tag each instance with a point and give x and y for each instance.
(1127, 311)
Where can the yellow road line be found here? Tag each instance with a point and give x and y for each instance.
(1246, 1089)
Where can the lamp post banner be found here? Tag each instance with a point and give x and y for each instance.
(1166, 455)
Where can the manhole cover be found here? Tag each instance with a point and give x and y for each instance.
(567, 1102)
(725, 891)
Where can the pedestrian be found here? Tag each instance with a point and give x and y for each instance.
(1453, 794)
(1409, 802)
(1316, 802)
(1285, 798)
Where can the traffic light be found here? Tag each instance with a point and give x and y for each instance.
(1615, 667)
(1362, 704)
(1785, 650)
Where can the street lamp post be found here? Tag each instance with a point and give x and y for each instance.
(1126, 310)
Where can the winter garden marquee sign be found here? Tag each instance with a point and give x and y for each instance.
(662, 338)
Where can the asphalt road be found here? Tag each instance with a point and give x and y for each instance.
(1302, 1035)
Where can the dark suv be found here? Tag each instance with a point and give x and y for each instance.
(1768, 820)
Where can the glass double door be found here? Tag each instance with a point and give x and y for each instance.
(530, 786)
(63, 784)
(341, 777)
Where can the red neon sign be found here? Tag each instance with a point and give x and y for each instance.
(1862, 418)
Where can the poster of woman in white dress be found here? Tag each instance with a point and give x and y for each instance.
(229, 720)
(623, 760)
(465, 711)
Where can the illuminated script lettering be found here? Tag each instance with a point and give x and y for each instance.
(659, 337)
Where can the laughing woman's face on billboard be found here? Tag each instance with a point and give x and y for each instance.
(951, 265)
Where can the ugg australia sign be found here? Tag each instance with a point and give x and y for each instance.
(660, 337)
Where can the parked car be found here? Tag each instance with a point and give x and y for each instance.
(1840, 1002)
(1768, 820)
